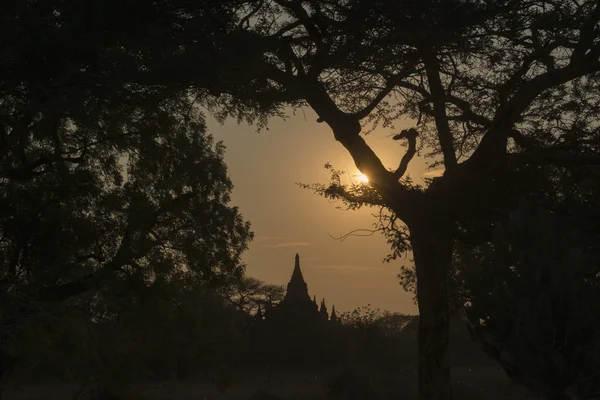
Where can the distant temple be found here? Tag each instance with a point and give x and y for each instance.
(299, 333)
(296, 328)
(297, 308)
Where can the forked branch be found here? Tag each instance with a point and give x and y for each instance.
(410, 135)
(493, 142)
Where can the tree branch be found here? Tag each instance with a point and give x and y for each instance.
(438, 97)
(494, 141)
(391, 83)
(289, 58)
(298, 11)
(468, 113)
(556, 156)
(586, 35)
(245, 22)
(285, 29)
(411, 136)
(124, 255)
(522, 140)
(356, 232)
(538, 54)
(364, 113)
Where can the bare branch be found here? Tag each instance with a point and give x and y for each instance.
(296, 8)
(357, 232)
(364, 113)
(415, 88)
(346, 129)
(245, 22)
(522, 140)
(587, 35)
(535, 154)
(494, 141)
(410, 135)
(538, 54)
(391, 83)
(290, 59)
(438, 97)
(468, 113)
(285, 29)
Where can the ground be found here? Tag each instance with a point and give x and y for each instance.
(469, 384)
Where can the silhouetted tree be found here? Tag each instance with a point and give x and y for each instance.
(498, 89)
(145, 207)
(533, 302)
(109, 340)
(371, 335)
(248, 294)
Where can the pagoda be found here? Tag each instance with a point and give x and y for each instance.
(296, 327)
(297, 308)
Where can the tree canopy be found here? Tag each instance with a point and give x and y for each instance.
(497, 90)
(129, 208)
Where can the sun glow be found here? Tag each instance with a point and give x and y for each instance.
(363, 178)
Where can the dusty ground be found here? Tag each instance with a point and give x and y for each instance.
(469, 384)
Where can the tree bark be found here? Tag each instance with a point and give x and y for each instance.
(432, 251)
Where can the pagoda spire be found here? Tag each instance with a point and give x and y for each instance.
(323, 310)
(297, 270)
(297, 289)
(333, 318)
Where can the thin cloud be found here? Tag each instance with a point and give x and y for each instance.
(289, 244)
(433, 174)
(268, 238)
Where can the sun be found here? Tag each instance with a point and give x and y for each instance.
(363, 178)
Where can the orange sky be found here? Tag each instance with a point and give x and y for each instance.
(287, 220)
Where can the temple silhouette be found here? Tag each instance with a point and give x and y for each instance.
(297, 308)
(297, 329)
(300, 333)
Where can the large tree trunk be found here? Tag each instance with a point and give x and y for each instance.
(432, 250)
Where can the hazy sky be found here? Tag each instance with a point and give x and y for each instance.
(287, 220)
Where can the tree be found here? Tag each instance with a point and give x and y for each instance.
(498, 88)
(370, 335)
(248, 294)
(389, 323)
(183, 325)
(108, 340)
(144, 205)
(108, 181)
(533, 302)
